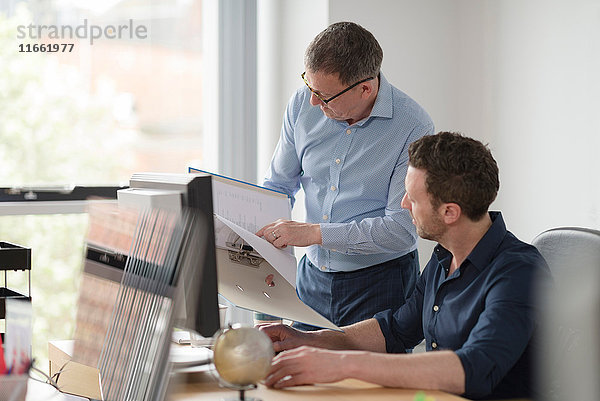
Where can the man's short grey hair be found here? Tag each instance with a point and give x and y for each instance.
(346, 49)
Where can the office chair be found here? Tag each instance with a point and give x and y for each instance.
(569, 361)
(560, 245)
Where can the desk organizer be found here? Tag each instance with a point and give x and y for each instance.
(18, 258)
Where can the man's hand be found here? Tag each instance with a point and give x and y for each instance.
(285, 337)
(306, 365)
(282, 233)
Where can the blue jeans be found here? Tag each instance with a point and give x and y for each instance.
(349, 297)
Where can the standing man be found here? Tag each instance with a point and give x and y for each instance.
(474, 303)
(344, 140)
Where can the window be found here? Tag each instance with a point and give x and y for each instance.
(91, 91)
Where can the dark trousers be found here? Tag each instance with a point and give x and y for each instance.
(349, 297)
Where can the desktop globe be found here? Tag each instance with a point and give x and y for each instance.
(242, 357)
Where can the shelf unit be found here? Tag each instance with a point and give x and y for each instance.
(17, 258)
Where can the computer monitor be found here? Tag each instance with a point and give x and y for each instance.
(175, 191)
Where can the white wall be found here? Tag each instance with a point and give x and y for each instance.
(545, 75)
(521, 75)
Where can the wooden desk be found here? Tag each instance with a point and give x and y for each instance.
(202, 386)
(83, 380)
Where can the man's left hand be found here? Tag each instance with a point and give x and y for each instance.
(282, 233)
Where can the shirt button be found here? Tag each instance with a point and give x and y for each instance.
(348, 131)
(325, 217)
(337, 161)
(333, 188)
(323, 268)
(434, 345)
(436, 308)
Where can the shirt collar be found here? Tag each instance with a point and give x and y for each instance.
(383, 106)
(486, 248)
(383, 103)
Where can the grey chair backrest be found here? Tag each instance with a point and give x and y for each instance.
(563, 247)
(570, 329)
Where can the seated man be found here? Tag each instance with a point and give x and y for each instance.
(473, 303)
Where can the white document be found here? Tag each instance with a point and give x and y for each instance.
(281, 259)
(267, 286)
(247, 205)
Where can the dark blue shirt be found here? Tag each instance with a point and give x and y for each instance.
(485, 312)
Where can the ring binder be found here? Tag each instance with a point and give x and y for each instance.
(240, 253)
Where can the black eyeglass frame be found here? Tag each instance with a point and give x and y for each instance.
(334, 96)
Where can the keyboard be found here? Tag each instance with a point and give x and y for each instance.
(185, 356)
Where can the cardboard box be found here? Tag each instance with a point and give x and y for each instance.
(72, 377)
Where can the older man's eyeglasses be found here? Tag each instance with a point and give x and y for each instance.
(321, 98)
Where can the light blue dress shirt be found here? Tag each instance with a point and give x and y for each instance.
(352, 176)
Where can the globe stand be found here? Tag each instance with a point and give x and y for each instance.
(242, 394)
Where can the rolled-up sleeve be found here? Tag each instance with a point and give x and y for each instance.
(501, 333)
